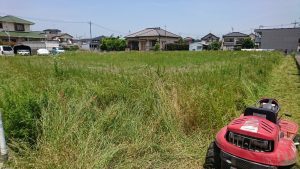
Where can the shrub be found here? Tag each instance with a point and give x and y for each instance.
(237, 48)
(113, 44)
(71, 48)
(214, 46)
(157, 47)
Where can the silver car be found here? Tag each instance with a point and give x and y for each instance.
(6, 51)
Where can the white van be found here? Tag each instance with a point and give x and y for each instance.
(6, 51)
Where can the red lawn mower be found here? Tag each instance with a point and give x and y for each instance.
(258, 139)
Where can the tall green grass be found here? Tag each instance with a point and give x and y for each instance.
(125, 110)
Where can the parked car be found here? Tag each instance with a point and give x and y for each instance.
(23, 52)
(43, 52)
(6, 51)
(56, 50)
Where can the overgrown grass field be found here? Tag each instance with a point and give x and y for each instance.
(125, 110)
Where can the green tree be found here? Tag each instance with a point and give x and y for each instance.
(248, 43)
(113, 44)
(214, 46)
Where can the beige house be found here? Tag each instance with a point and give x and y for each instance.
(146, 39)
(14, 29)
(56, 35)
(233, 40)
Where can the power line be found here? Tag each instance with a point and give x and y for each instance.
(68, 21)
(47, 20)
(107, 29)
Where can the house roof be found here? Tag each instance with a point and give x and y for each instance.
(235, 34)
(13, 19)
(59, 35)
(35, 35)
(52, 30)
(152, 32)
(98, 38)
(256, 30)
(208, 36)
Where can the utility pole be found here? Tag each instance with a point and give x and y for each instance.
(295, 24)
(90, 29)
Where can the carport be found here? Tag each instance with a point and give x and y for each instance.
(21, 47)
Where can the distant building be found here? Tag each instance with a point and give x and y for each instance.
(57, 35)
(196, 46)
(233, 40)
(146, 39)
(90, 44)
(209, 38)
(252, 36)
(96, 42)
(189, 40)
(52, 31)
(284, 39)
(17, 30)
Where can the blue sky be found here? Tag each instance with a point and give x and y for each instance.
(193, 18)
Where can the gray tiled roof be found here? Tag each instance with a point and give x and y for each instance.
(208, 36)
(235, 34)
(152, 32)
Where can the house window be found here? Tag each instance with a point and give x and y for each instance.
(153, 42)
(19, 27)
(1, 26)
(229, 40)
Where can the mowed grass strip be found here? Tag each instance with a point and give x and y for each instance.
(285, 86)
(127, 109)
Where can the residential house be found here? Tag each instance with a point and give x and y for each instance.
(252, 36)
(95, 42)
(90, 44)
(284, 39)
(16, 30)
(189, 40)
(196, 46)
(64, 39)
(209, 38)
(146, 39)
(233, 40)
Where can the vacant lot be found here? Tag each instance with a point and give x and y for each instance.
(129, 110)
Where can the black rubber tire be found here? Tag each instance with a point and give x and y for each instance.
(297, 139)
(212, 159)
(290, 167)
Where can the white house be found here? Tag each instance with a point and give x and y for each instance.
(196, 46)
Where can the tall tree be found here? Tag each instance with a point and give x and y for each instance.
(248, 43)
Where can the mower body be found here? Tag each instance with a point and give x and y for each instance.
(258, 139)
